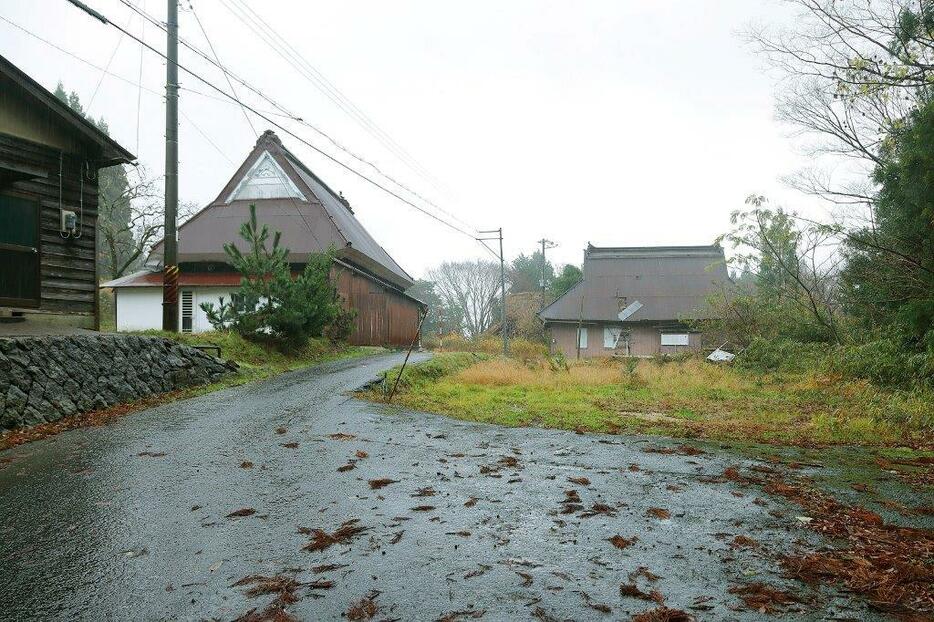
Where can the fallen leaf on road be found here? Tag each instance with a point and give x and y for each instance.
(583, 481)
(290, 445)
(644, 572)
(322, 584)
(428, 491)
(634, 467)
(397, 537)
(631, 589)
(364, 609)
(621, 542)
(246, 464)
(744, 542)
(347, 467)
(327, 568)
(467, 614)
(241, 513)
(281, 430)
(469, 503)
(481, 569)
(361, 454)
(660, 513)
(763, 598)
(526, 579)
(151, 454)
(663, 614)
(463, 534)
(340, 436)
(376, 484)
(597, 509)
(423, 508)
(321, 539)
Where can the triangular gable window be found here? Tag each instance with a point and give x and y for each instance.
(265, 180)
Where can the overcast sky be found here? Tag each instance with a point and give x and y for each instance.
(624, 122)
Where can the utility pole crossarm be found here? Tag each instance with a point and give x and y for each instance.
(502, 280)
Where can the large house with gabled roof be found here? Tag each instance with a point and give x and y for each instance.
(637, 301)
(312, 218)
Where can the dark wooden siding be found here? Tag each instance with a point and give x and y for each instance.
(67, 266)
(384, 316)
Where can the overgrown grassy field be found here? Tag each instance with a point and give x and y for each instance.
(687, 398)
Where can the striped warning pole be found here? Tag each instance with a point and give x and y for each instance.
(170, 299)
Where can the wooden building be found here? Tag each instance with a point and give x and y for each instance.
(49, 161)
(636, 301)
(312, 218)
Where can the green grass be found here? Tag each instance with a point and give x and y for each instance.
(687, 398)
(260, 361)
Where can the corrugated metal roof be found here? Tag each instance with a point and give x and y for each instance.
(307, 227)
(146, 278)
(671, 282)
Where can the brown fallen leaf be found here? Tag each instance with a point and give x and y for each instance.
(428, 491)
(466, 614)
(290, 445)
(632, 590)
(364, 609)
(526, 579)
(281, 430)
(361, 454)
(151, 454)
(321, 584)
(327, 568)
(340, 436)
(621, 542)
(469, 503)
(644, 572)
(763, 598)
(376, 484)
(246, 464)
(663, 614)
(347, 467)
(660, 513)
(582, 481)
(634, 467)
(423, 508)
(397, 537)
(462, 534)
(744, 542)
(598, 509)
(241, 512)
(320, 539)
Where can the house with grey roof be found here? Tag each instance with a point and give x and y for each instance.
(636, 301)
(312, 218)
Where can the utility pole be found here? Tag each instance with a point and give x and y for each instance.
(546, 244)
(170, 259)
(502, 280)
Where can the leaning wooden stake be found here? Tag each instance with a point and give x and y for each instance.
(418, 331)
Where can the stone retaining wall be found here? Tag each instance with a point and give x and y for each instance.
(43, 379)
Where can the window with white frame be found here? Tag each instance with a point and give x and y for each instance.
(675, 339)
(611, 337)
(582, 339)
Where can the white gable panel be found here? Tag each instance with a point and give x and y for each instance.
(265, 180)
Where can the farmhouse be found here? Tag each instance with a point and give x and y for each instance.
(636, 301)
(312, 218)
(49, 159)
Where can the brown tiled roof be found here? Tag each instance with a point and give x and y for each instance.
(671, 283)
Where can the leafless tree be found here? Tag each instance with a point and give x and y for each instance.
(130, 219)
(471, 286)
(851, 71)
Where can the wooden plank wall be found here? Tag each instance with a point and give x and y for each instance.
(68, 267)
(384, 316)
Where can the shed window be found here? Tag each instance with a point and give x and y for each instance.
(611, 337)
(675, 339)
(582, 339)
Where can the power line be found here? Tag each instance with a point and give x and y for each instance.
(279, 44)
(291, 115)
(293, 134)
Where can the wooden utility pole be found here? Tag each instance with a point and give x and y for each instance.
(546, 244)
(170, 259)
(502, 279)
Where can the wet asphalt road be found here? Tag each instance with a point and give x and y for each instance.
(128, 521)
